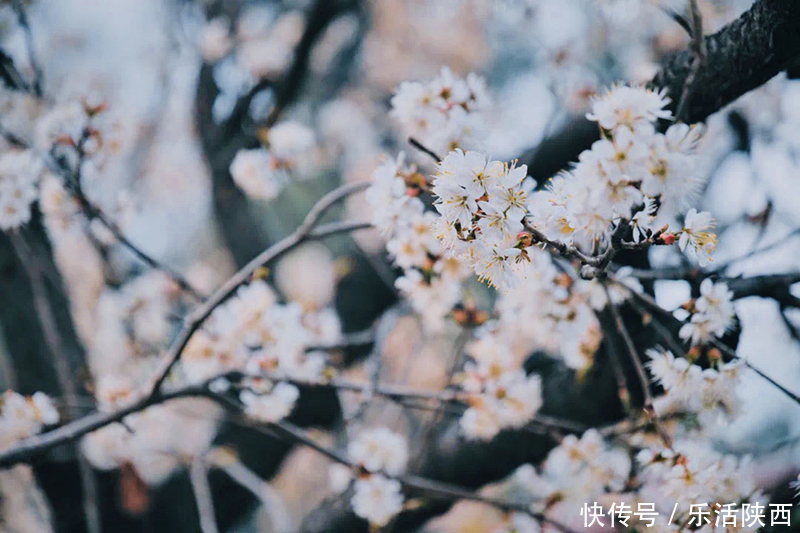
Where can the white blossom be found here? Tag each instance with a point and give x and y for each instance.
(379, 450)
(19, 175)
(215, 40)
(629, 106)
(255, 171)
(24, 416)
(696, 237)
(272, 406)
(377, 499)
(714, 313)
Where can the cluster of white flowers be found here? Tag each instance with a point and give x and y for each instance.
(690, 388)
(483, 205)
(262, 173)
(630, 176)
(445, 113)
(20, 171)
(377, 499)
(380, 452)
(712, 314)
(82, 132)
(500, 394)
(69, 131)
(430, 281)
(23, 416)
(252, 331)
(554, 312)
(626, 180)
(576, 471)
(64, 124)
(691, 472)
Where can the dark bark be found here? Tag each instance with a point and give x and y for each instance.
(741, 57)
(32, 360)
(242, 230)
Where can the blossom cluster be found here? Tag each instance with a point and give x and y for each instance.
(712, 314)
(576, 471)
(20, 171)
(499, 393)
(690, 388)
(690, 472)
(78, 135)
(23, 416)
(430, 281)
(251, 332)
(632, 175)
(445, 113)
(262, 173)
(141, 442)
(483, 207)
(628, 180)
(590, 468)
(380, 454)
(254, 332)
(556, 313)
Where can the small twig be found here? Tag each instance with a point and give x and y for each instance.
(780, 242)
(348, 340)
(94, 212)
(395, 392)
(594, 265)
(732, 355)
(198, 476)
(649, 409)
(12, 138)
(698, 47)
(22, 16)
(429, 431)
(660, 329)
(677, 17)
(623, 393)
(794, 332)
(226, 461)
(424, 149)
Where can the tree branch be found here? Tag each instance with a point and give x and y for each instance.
(306, 231)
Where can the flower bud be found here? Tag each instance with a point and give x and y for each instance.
(524, 238)
(667, 239)
(693, 354)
